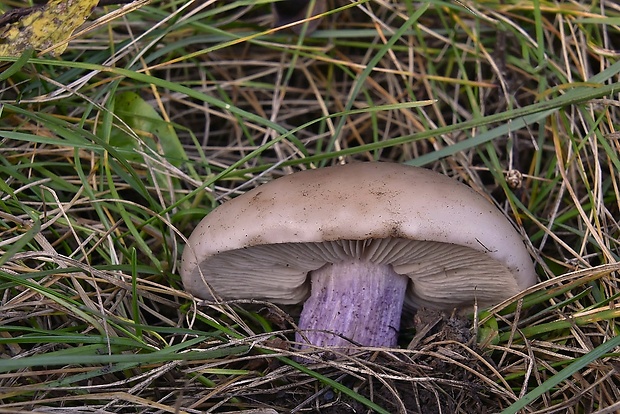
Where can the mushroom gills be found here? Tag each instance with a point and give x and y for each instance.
(352, 302)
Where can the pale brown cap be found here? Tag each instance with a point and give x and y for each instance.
(455, 246)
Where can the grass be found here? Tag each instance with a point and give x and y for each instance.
(112, 152)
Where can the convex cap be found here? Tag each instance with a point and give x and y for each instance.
(358, 243)
(454, 246)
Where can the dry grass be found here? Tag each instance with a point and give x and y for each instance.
(522, 106)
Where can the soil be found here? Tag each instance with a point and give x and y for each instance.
(439, 375)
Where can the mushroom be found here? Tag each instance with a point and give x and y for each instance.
(289, 11)
(358, 243)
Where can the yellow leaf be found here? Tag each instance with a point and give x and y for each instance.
(44, 27)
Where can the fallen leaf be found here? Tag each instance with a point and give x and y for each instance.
(43, 27)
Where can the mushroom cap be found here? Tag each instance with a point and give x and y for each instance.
(455, 246)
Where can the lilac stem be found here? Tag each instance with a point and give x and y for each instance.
(359, 300)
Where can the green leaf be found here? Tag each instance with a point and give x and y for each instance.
(143, 119)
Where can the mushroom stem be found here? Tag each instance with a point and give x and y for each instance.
(359, 301)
